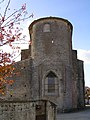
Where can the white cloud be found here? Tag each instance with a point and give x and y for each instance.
(84, 55)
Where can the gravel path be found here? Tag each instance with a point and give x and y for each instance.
(80, 115)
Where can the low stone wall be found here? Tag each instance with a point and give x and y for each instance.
(27, 110)
(17, 111)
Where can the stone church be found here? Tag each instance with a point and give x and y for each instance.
(49, 69)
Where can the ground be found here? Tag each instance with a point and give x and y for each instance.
(79, 115)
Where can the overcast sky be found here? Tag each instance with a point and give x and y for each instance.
(75, 11)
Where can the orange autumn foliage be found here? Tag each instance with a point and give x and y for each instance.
(5, 72)
(10, 32)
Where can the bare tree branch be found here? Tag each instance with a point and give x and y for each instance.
(1, 1)
(6, 8)
(12, 14)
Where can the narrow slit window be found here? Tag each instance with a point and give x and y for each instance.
(46, 28)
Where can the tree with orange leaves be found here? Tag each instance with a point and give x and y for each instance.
(10, 32)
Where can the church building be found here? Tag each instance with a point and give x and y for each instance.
(49, 69)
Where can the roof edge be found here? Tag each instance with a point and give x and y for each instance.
(35, 21)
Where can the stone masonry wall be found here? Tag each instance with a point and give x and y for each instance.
(17, 111)
(27, 110)
(20, 89)
(81, 85)
(75, 79)
(53, 43)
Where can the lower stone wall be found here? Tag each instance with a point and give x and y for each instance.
(17, 111)
(27, 110)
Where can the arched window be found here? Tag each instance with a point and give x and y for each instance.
(51, 84)
(46, 28)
